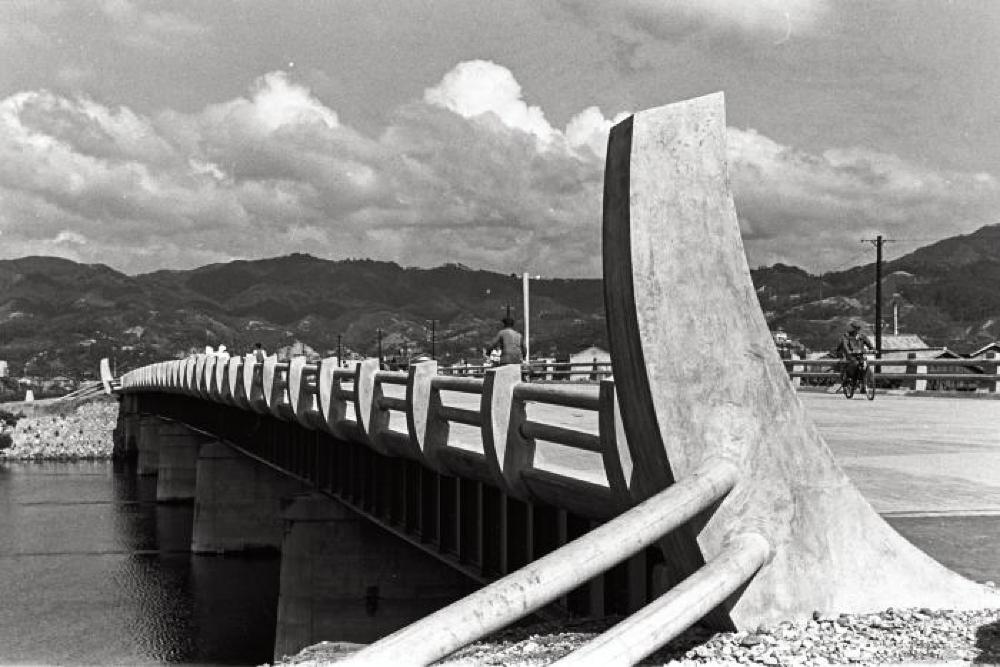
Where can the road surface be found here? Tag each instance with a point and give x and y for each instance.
(908, 455)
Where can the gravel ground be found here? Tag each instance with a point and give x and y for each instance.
(83, 433)
(921, 636)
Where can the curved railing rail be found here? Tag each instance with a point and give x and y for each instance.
(542, 581)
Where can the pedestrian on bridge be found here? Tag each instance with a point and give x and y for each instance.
(509, 343)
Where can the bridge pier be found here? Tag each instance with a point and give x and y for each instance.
(126, 448)
(147, 461)
(344, 578)
(177, 462)
(237, 502)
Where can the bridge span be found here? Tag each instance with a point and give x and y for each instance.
(416, 512)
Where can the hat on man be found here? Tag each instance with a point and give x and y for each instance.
(855, 326)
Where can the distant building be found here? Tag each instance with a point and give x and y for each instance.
(901, 346)
(981, 353)
(591, 355)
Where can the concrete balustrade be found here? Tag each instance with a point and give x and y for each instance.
(354, 403)
(303, 392)
(384, 438)
(275, 388)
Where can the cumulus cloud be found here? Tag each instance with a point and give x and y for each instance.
(471, 172)
(812, 210)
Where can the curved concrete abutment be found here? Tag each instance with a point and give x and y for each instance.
(678, 293)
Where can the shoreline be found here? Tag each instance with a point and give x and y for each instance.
(74, 432)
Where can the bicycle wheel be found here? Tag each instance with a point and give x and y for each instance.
(870, 383)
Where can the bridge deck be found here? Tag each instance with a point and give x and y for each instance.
(906, 454)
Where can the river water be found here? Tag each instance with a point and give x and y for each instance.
(93, 571)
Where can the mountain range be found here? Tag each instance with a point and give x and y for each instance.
(59, 317)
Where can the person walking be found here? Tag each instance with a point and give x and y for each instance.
(509, 343)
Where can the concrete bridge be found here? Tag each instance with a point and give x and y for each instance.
(416, 512)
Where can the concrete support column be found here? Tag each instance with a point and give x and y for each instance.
(127, 447)
(177, 462)
(343, 578)
(147, 445)
(237, 502)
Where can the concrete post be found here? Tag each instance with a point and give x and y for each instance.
(797, 368)
(147, 445)
(917, 384)
(345, 579)
(237, 502)
(992, 367)
(177, 462)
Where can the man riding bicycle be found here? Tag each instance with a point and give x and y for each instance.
(851, 348)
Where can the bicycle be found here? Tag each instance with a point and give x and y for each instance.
(864, 379)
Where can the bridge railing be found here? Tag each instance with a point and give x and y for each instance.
(471, 427)
(544, 370)
(913, 373)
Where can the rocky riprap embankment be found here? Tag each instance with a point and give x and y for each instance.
(82, 433)
(894, 636)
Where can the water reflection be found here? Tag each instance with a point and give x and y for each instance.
(95, 572)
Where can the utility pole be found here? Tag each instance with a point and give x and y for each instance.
(433, 339)
(340, 351)
(380, 364)
(527, 339)
(878, 242)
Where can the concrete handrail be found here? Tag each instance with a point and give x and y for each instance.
(657, 623)
(548, 578)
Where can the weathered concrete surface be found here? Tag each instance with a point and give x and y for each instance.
(677, 291)
(345, 579)
(238, 502)
(177, 462)
(147, 445)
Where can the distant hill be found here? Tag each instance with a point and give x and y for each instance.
(58, 317)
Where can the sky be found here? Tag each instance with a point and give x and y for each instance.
(151, 134)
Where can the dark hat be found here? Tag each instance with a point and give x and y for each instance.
(855, 326)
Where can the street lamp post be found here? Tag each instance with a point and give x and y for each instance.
(527, 320)
(380, 364)
(433, 339)
(340, 351)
